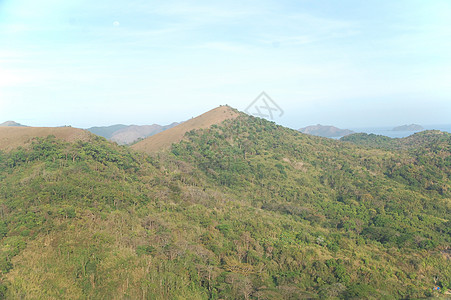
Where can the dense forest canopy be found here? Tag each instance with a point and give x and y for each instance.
(245, 209)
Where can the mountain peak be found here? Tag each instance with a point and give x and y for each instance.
(166, 138)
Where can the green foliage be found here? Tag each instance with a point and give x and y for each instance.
(325, 182)
(359, 291)
(243, 210)
(145, 250)
(3, 291)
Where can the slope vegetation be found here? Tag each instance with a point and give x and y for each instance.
(243, 209)
(431, 140)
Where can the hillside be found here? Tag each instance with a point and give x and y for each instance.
(242, 209)
(325, 131)
(166, 138)
(428, 139)
(13, 137)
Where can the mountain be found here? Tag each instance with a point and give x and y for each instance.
(325, 131)
(134, 133)
(13, 137)
(411, 127)
(240, 209)
(165, 139)
(128, 134)
(11, 124)
(431, 140)
(106, 131)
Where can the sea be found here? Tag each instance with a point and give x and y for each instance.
(388, 131)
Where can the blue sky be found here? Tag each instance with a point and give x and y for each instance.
(346, 63)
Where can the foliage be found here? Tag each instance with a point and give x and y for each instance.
(243, 210)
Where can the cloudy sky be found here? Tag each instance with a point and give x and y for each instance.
(346, 63)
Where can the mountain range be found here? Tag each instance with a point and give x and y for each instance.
(128, 134)
(224, 206)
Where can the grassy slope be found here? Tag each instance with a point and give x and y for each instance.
(13, 137)
(165, 139)
(246, 209)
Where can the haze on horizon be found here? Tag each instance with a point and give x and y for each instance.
(348, 63)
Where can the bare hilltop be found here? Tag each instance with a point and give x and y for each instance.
(166, 138)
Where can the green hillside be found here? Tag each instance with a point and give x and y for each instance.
(243, 210)
(430, 139)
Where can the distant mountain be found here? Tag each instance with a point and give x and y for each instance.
(11, 124)
(127, 134)
(165, 139)
(411, 127)
(106, 131)
(133, 133)
(325, 131)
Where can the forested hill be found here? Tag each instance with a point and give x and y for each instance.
(430, 140)
(244, 209)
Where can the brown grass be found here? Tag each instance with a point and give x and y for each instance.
(13, 137)
(165, 139)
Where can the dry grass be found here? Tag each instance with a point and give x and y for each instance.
(165, 139)
(13, 137)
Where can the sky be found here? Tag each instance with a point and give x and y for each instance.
(344, 63)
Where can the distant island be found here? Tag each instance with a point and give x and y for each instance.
(11, 124)
(411, 127)
(325, 131)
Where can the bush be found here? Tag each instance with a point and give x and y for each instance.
(3, 290)
(145, 250)
(359, 291)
